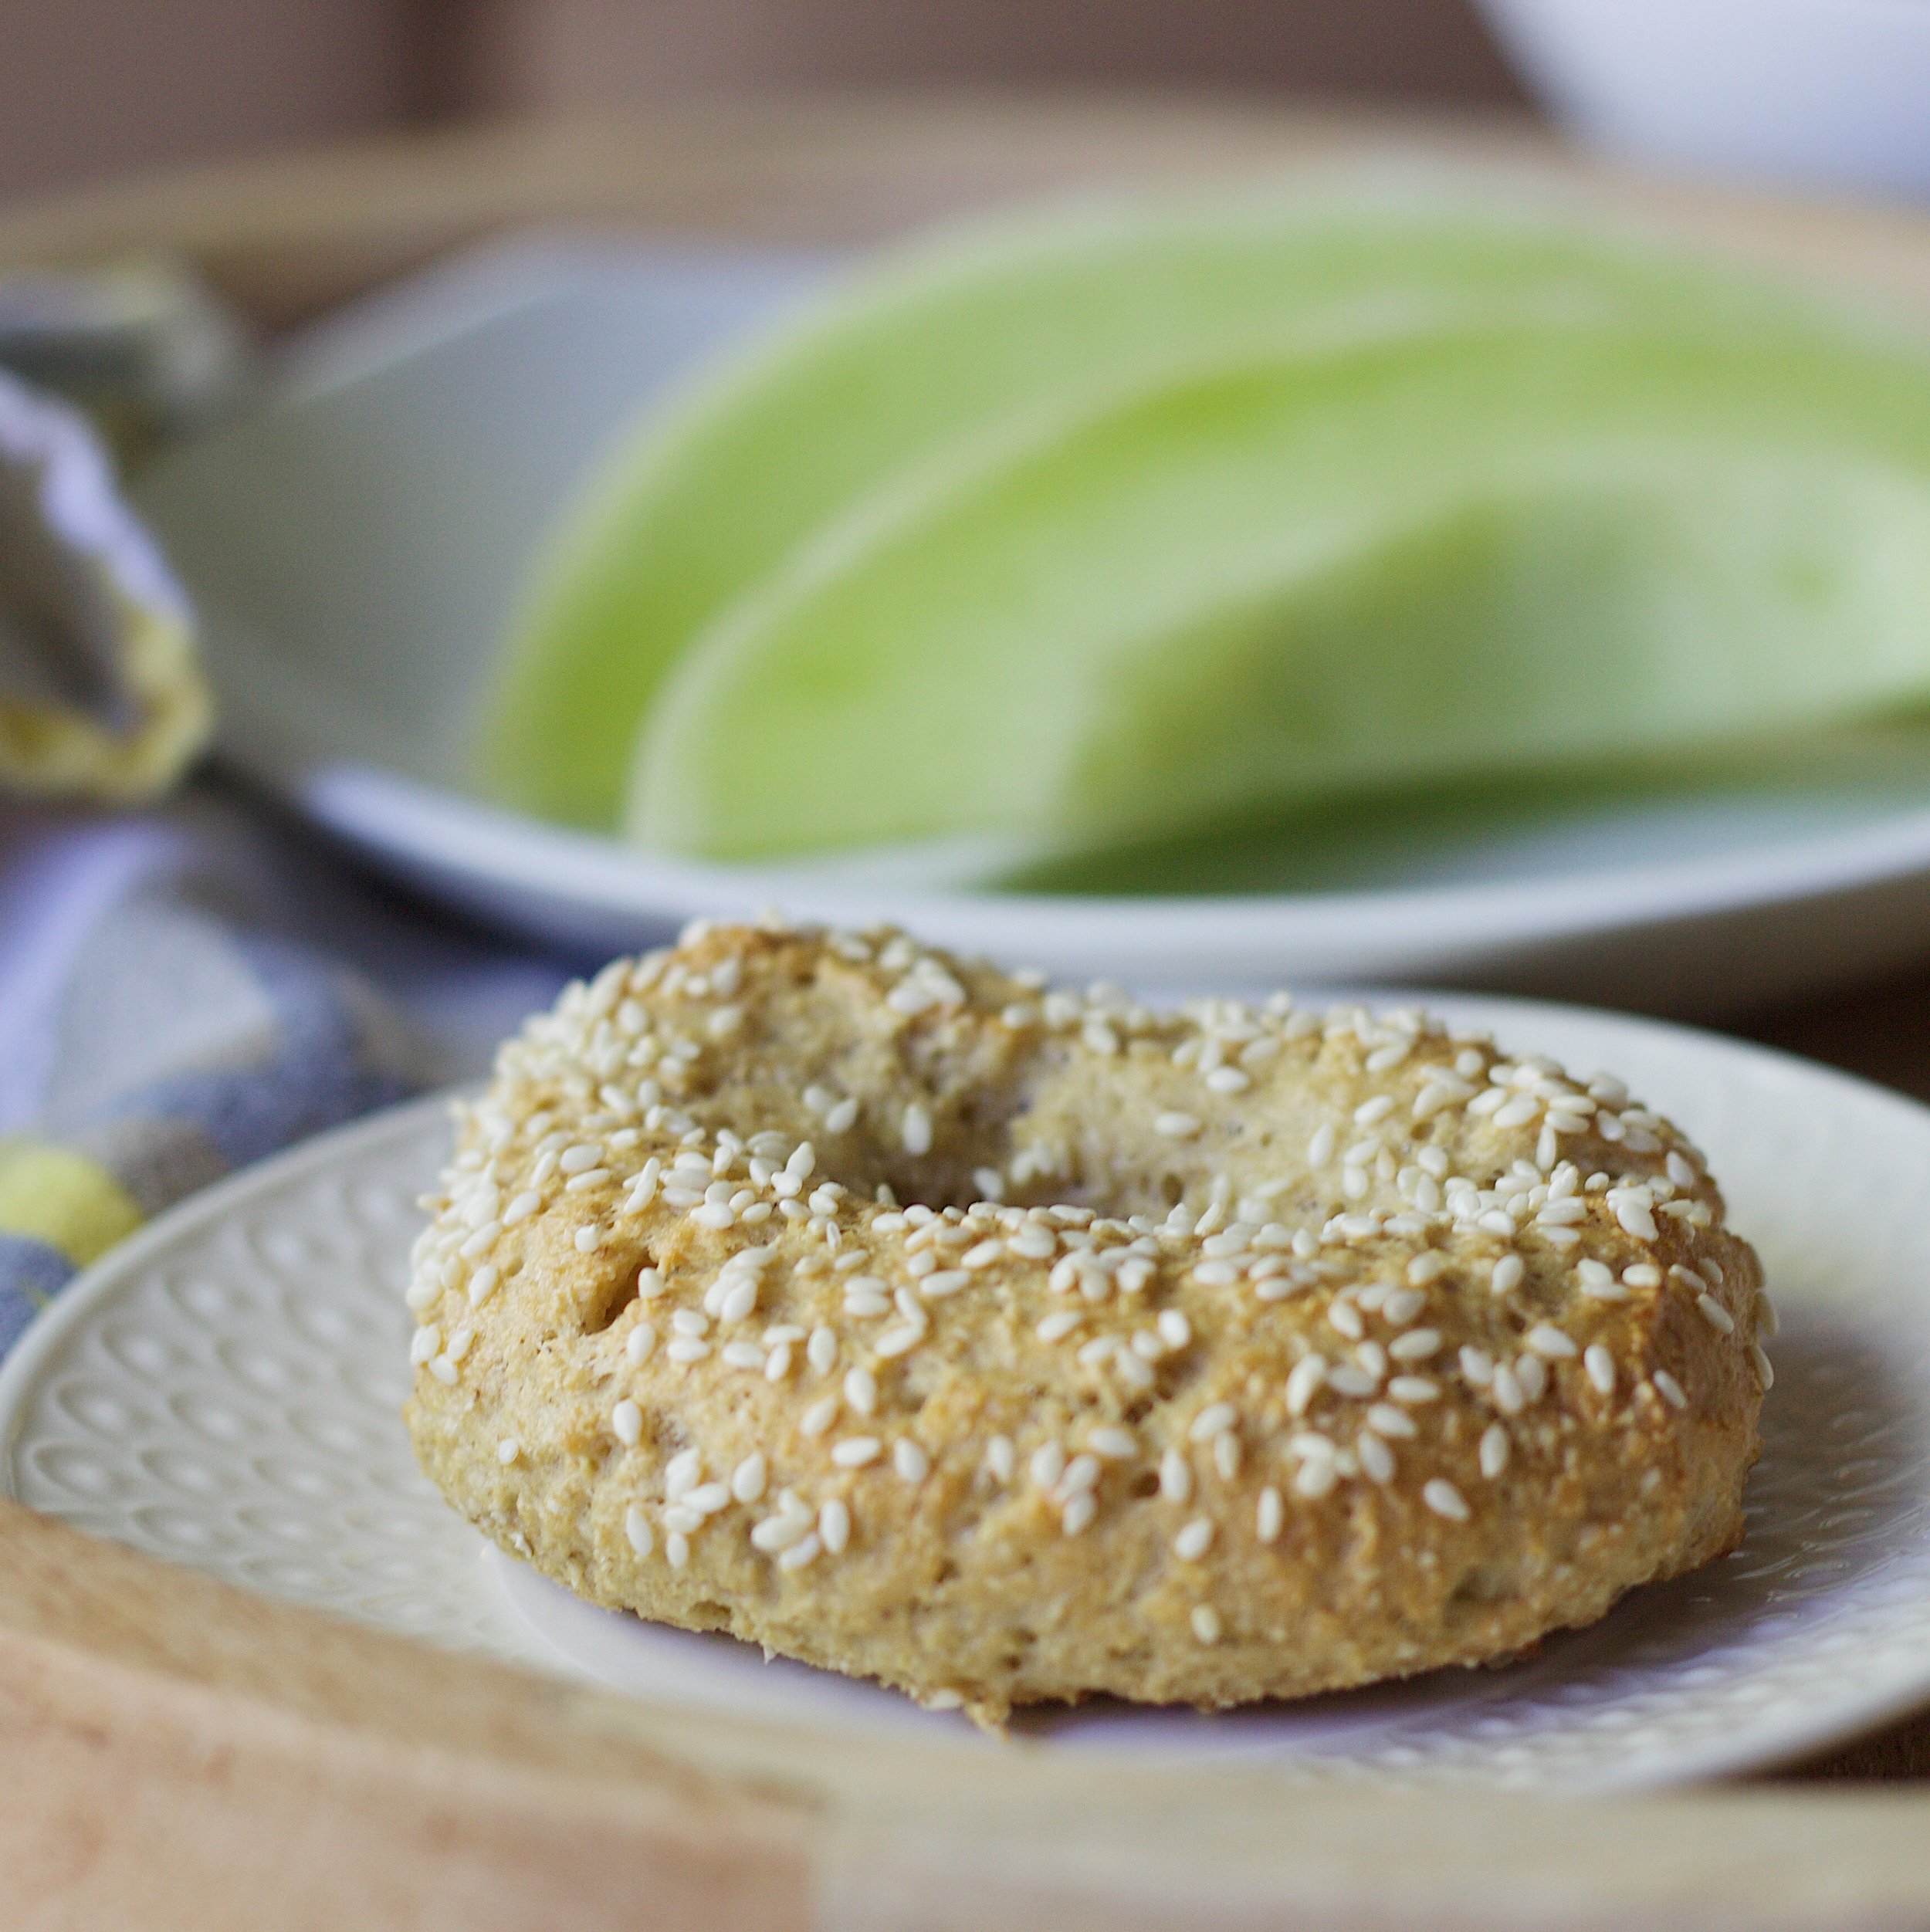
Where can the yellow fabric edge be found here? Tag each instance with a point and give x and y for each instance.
(64, 1200)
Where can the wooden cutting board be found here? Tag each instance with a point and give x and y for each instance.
(175, 1753)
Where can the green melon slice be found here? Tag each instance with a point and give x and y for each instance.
(1452, 550)
(944, 343)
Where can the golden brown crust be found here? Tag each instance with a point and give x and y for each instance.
(1073, 1439)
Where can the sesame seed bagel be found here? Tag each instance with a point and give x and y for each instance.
(1004, 1345)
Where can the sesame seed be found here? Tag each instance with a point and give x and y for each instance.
(1371, 1112)
(507, 1451)
(819, 1416)
(1549, 1343)
(805, 1550)
(676, 1549)
(1385, 1419)
(1048, 1465)
(636, 1527)
(1765, 1373)
(627, 1419)
(1114, 1443)
(480, 1244)
(1078, 1512)
(1376, 1458)
(1717, 1317)
(1206, 1623)
(1400, 1306)
(915, 1130)
(1176, 1126)
(821, 1350)
(1600, 1365)
(1000, 1458)
(1636, 1219)
(1416, 1345)
(1444, 1499)
(1414, 1390)
(834, 1525)
(747, 1479)
(1194, 1539)
(1303, 1384)
(1212, 1420)
(1175, 1477)
(1268, 1514)
(779, 1532)
(1099, 1036)
(910, 1460)
(1175, 1330)
(1316, 1476)
(1494, 1450)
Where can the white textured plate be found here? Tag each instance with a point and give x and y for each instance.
(223, 1391)
(355, 543)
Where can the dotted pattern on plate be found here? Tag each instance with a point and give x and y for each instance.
(232, 1401)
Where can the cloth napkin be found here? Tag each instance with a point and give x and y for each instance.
(186, 989)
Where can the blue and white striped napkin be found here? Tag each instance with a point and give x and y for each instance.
(184, 990)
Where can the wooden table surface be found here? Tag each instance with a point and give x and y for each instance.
(174, 1753)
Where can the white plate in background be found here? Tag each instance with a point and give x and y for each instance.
(224, 1390)
(1815, 93)
(354, 542)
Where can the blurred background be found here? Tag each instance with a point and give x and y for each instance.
(95, 88)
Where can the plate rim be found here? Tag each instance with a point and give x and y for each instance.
(1773, 1745)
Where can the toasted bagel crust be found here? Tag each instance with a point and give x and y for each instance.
(1233, 1354)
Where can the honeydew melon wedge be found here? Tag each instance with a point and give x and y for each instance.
(943, 344)
(1463, 549)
